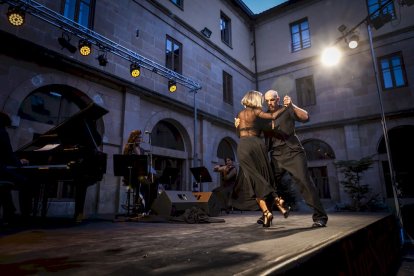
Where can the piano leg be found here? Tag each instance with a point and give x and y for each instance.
(80, 195)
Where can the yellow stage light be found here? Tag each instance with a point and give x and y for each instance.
(85, 47)
(15, 16)
(172, 86)
(135, 70)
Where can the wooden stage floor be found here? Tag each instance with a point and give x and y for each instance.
(237, 246)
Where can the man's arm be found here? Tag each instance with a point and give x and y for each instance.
(299, 112)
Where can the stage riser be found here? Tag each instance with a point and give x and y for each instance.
(374, 250)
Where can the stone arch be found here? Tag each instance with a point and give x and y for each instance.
(27, 86)
(218, 140)
(167, 116)
(318, 150)
(182, 158)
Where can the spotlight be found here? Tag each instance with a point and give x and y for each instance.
(103, 61)
(172, 86)
(84, 47)
(64, 41)
(135, 70)
(15, 16)
(206, 32)
(353, 41)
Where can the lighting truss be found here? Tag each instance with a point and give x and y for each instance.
(59, 21)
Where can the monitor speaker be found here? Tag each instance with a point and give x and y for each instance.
(172, 203)
(207, 201)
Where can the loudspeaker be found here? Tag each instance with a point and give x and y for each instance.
(171, 203)
(208, 202)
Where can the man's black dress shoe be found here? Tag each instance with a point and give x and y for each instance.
(260, 220)
(319, 223)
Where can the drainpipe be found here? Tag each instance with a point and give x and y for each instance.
(254, 57)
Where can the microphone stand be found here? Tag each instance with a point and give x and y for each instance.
(150, 166)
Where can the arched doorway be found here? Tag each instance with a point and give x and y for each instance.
(169, 162)
(401, 146)
(317, 150)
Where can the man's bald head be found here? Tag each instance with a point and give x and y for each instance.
(272, 100)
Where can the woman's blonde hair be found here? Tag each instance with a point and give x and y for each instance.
(252, 99)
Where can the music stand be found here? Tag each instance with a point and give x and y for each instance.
(168, 174)
(201, 175)
(130, 166)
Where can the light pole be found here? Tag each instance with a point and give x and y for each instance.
(368, 21)
(385, 132)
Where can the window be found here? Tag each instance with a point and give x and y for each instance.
(173, 55)
(306, 91)
(227, 88)
(374, 5)
(225, 28)
(178, 3)
(392, 69)
(300, 35)
(80, 11)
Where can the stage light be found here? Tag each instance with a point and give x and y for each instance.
(15, 16)
(85, 47)
(103, 61)
(206, 32)
(135, 70)
(353, 41)
(64, 41)
(172, 86)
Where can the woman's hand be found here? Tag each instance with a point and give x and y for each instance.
(236, 122)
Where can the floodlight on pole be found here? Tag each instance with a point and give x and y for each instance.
(376, 23)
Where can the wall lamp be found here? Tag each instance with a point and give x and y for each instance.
(206, 32)
(15, 16)
(172, 86)
(64, 41)
(103, 61)
(135, 70)
(85, 47)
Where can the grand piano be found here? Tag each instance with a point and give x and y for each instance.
(68, 152)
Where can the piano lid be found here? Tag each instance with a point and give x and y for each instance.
(79, 129)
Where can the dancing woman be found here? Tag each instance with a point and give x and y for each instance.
(255, 178)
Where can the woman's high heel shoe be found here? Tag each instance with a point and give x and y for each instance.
(267, 218)
(280, 203)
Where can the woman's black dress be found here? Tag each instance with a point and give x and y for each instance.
(255, 178)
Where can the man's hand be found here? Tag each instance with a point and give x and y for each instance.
(236, 122)
(287, 100)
